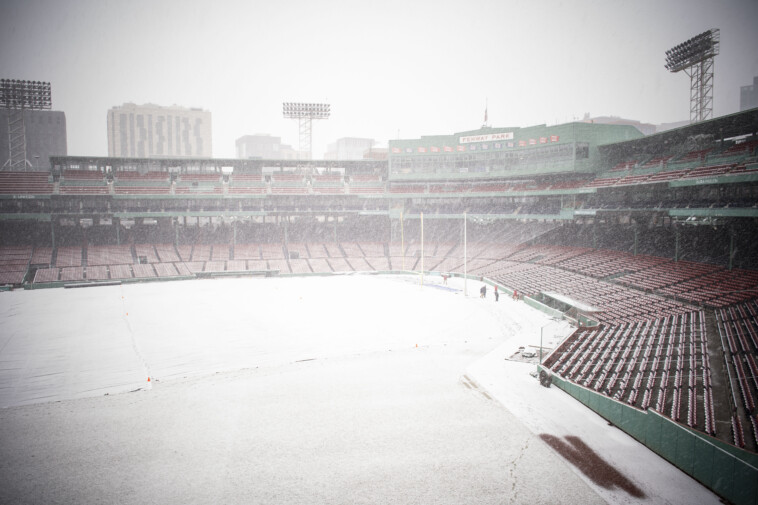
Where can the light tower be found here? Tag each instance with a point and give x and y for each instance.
(16, 96)
(305, 113)
(695, 57)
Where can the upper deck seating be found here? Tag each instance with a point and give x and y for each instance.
(407, 188)
(25, 183)
(83, 182)
(133, 175)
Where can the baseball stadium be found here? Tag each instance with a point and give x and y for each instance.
(642, 247)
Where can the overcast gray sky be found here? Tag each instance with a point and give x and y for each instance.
(388, 68)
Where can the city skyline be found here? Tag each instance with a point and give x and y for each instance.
(389, 71)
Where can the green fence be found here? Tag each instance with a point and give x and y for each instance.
(728, 471)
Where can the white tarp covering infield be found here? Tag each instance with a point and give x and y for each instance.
(347, 389)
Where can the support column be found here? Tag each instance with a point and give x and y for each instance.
(402, 239)
(465, 254)
(594, 236)
(676, 244)
(636, 240)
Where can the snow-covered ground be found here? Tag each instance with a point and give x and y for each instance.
(345, 389)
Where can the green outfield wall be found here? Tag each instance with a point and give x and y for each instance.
(727, 470)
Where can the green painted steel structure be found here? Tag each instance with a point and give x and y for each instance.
(497, 152)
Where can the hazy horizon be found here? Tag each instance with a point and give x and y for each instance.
(389, 70)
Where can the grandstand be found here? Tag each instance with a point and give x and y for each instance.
(656, 234)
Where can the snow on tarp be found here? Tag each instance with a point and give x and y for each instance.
(61, 345)
(66, 344)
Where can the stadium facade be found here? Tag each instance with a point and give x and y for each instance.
(489, 152)
(146, 131)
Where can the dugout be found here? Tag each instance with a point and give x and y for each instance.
(583, 313)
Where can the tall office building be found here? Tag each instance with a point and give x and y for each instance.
(152, 131)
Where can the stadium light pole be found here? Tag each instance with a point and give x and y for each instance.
(305, 113)
(695, 57)
(465, 255)
(17, 96)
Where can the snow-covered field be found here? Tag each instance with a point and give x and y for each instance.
(345, 389)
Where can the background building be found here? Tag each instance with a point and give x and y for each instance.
(30, 132)
(147, 131)
(45, 137)
(263, 146)
(376, 153)
(749, 95)
(644, 128)
(348, 148)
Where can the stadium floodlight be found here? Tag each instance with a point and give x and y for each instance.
(16, 96)
(695, 57)
(305, 113)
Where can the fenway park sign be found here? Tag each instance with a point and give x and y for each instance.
(485, 138)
